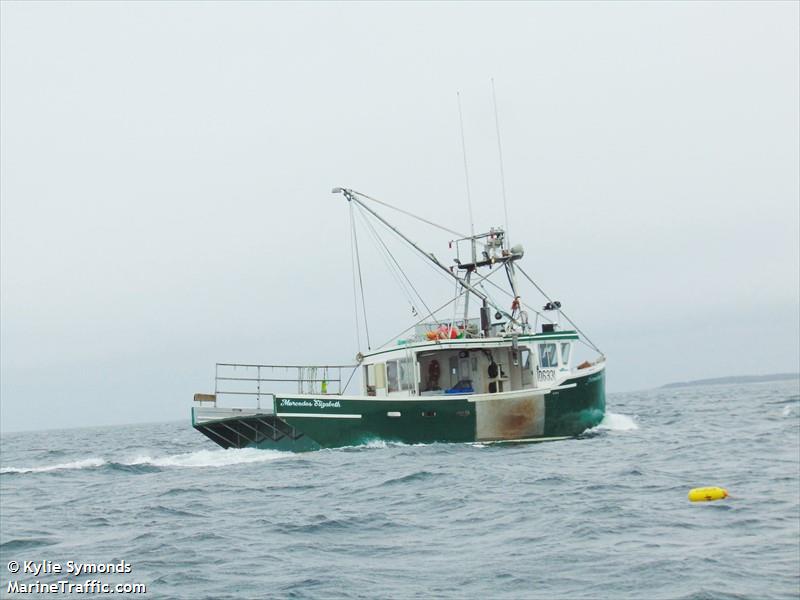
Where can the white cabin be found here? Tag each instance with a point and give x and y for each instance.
(468, 366)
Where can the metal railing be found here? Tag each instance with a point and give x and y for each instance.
(421, 329)
(239, 379)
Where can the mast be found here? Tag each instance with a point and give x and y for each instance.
(466, 300)
(500, 155)
(516, 307)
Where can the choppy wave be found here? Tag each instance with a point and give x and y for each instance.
(16, 545)
(200, 458)
(411, 477)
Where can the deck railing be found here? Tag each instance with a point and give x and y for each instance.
(239, 379)
(421, 329)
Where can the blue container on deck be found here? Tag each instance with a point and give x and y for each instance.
(462, 387)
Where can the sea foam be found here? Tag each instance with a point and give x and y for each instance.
(87, 463)
(617, 422)
(200, 458)
(211, 458)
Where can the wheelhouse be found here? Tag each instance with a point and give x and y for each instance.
(469, 366)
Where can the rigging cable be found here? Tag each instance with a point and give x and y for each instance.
(500, 154)
(361, 283)
(442, 274)
(466, 171)
(431, 255)
(399, 268)
(353, 267)
(488, 295)
(492, 303)
(349, 379)
(389, 267)
(422, 320)
(541, 291)
(455, 311)
(510, 295)
(410, 214)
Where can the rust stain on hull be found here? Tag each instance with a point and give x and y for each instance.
(508, 419)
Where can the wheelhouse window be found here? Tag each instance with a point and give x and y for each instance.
(461, 367)
(565, 349)
(525, 361)
(453, 362)
(369, 379)
(548, 357)
(406, 374)
(400, 374)
(391, 376)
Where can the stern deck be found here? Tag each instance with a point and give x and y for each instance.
(243, 428)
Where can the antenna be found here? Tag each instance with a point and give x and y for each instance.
(500, 154)
(466, 171)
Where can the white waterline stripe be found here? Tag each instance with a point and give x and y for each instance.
(523, 440)
(319, 415)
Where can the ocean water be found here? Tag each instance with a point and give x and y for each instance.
(602, 516)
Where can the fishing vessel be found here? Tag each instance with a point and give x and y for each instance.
(489, 371)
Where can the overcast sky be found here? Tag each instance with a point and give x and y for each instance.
(167, 167)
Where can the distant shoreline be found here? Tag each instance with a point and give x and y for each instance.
(735, 379)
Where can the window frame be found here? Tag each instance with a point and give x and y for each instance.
(392, 376)
(552, 355)
(565, 359)
(405, 374)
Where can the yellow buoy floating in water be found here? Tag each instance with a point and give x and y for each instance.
(707, 494)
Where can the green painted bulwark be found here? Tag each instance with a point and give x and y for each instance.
(353, 422)
(570, 412)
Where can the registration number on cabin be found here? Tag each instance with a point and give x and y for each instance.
(545, 374)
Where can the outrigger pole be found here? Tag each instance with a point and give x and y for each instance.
(485, 321)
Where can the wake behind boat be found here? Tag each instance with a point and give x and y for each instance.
(488, 378)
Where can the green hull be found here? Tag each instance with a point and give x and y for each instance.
(306, 423)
